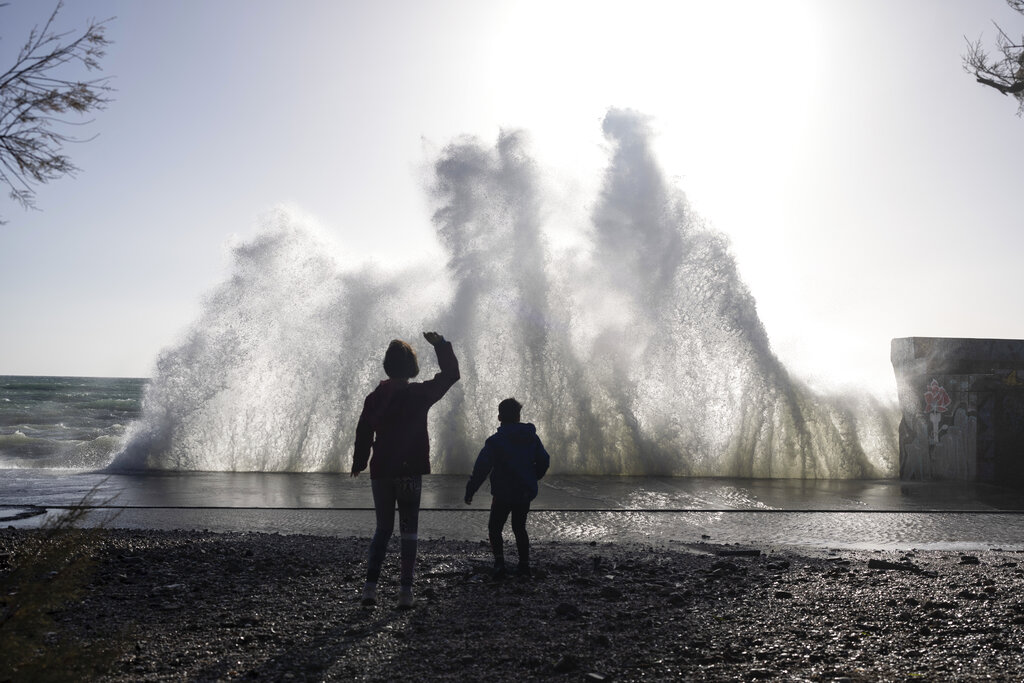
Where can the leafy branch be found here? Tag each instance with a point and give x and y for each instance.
(37, 101)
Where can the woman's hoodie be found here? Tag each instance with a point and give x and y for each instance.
(394, 421)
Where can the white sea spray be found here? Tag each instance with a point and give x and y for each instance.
(641, 353)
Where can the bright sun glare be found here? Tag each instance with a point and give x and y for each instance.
(732, 92)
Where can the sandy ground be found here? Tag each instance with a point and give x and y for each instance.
(161, 606)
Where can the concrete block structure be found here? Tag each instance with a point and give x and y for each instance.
(962, 404)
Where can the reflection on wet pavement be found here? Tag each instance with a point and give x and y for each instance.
(657, 510)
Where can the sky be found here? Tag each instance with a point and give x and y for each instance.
(869, 187)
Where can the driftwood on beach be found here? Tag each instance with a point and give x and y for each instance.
(203, 606)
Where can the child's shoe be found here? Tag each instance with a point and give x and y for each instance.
(523, 571)
(369, 594)
(499, 571)
(405, 600)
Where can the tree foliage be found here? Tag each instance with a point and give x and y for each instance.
(1003, 70)
(39, 100)
(48, 573)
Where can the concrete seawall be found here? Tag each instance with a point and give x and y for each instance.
(962, 403)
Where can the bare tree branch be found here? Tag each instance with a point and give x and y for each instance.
(37, 100)
(1005, 71)
(1001, 87)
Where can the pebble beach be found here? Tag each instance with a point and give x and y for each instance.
(200, 606)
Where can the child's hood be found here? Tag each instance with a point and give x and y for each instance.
(517, 432)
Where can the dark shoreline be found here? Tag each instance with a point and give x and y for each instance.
(176, 605)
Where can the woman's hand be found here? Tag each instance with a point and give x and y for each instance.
(434, 338)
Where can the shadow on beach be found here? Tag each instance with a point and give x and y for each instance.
(203, 606)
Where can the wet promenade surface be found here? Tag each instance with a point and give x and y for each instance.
(655, 510)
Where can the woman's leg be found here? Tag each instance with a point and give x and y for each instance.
(519, 513)
(384, 505)
(408, 495)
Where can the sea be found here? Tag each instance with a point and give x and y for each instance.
(58, 436)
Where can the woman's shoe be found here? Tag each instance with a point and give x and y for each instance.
(369, 594)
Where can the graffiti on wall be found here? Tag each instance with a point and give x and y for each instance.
(962, 408)
(936, 402)
(939, 441)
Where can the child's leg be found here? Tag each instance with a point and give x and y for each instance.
(519, 512)
(384, 506)
(495, 525)
(408, 494)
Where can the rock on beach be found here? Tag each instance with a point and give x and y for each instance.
(203, 606)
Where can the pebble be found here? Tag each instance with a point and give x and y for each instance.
(292, 612)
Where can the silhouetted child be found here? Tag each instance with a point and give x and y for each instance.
(515, 458)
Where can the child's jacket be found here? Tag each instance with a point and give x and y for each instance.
(515, 458)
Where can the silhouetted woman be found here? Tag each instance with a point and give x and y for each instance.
(394, 424)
